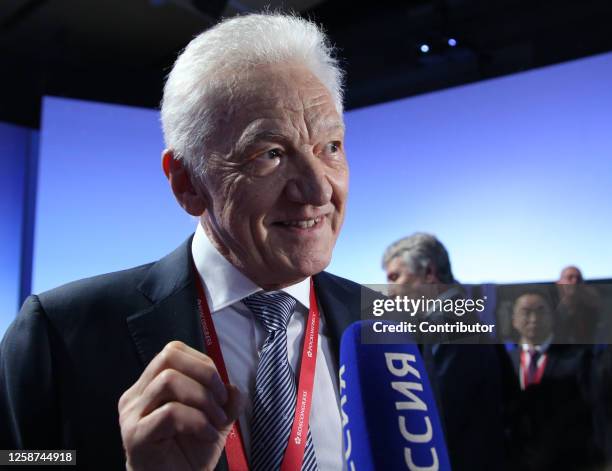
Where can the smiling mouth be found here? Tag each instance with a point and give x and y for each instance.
(302, 223)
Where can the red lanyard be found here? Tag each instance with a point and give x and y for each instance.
(234, 446)
(525, 380)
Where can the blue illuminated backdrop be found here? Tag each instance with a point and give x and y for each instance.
(103, 202)
(512, 174)
(19, 150)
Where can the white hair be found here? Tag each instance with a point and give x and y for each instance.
(213, 67)
(418, 251)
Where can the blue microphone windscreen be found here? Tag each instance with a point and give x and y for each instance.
(389, 415)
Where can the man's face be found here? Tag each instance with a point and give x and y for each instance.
(404, 282)
(532, 318)
(570, 276)
(399, 275)
(277, 177)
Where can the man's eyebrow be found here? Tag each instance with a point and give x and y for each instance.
(255, 133)
(329, 126)
(251, 136)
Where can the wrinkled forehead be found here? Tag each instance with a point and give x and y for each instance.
(289, 100)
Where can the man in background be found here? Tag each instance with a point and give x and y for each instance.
(578, 310)
(471, 381)
(584, 319)
(532, 318)
(553, 426)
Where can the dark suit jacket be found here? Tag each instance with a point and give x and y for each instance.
(474, 387)
(72, 352)
(601, 396)
(566, 363)
(553, 423)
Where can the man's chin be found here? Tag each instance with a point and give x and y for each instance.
(303, 267)
(313, 265)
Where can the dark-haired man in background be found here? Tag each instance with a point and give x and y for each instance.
(553, 425)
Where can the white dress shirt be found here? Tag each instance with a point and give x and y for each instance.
(538, 348)
(241, 337)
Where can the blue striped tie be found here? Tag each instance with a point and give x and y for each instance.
(275, 388)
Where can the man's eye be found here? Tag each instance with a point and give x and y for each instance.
(266, 162)
(273, 154)
(333, 147)
(332, 150)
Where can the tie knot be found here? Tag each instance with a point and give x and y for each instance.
(272, 309)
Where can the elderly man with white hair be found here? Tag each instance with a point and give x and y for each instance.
(197, 361)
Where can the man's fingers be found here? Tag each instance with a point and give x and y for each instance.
(190, 362)
(172, 419)
(173, 386)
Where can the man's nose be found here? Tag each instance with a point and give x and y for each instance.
(310, 184)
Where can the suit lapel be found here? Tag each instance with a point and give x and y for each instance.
(552, 358)
(515, 358)
(173, 313)
(340, 301)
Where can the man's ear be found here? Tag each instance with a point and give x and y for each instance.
(190, 199)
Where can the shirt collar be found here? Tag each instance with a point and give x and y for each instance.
(539, 348)
(224, 284)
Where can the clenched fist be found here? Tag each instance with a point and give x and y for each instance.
(178, 414)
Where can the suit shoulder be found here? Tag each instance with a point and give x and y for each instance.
(339, 282)
(95, 293)
(349, 291)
